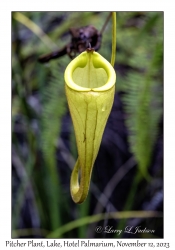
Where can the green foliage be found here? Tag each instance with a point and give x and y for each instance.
(54, 106)
(53, 109)
(143, 100)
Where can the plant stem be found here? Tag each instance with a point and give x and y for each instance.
(113, 38)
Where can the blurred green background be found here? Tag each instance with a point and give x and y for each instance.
(127, 180)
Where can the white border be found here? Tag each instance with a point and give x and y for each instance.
(5, 96)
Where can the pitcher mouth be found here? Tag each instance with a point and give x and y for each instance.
(90, 72)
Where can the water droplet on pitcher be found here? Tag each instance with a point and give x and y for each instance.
(103, 108)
